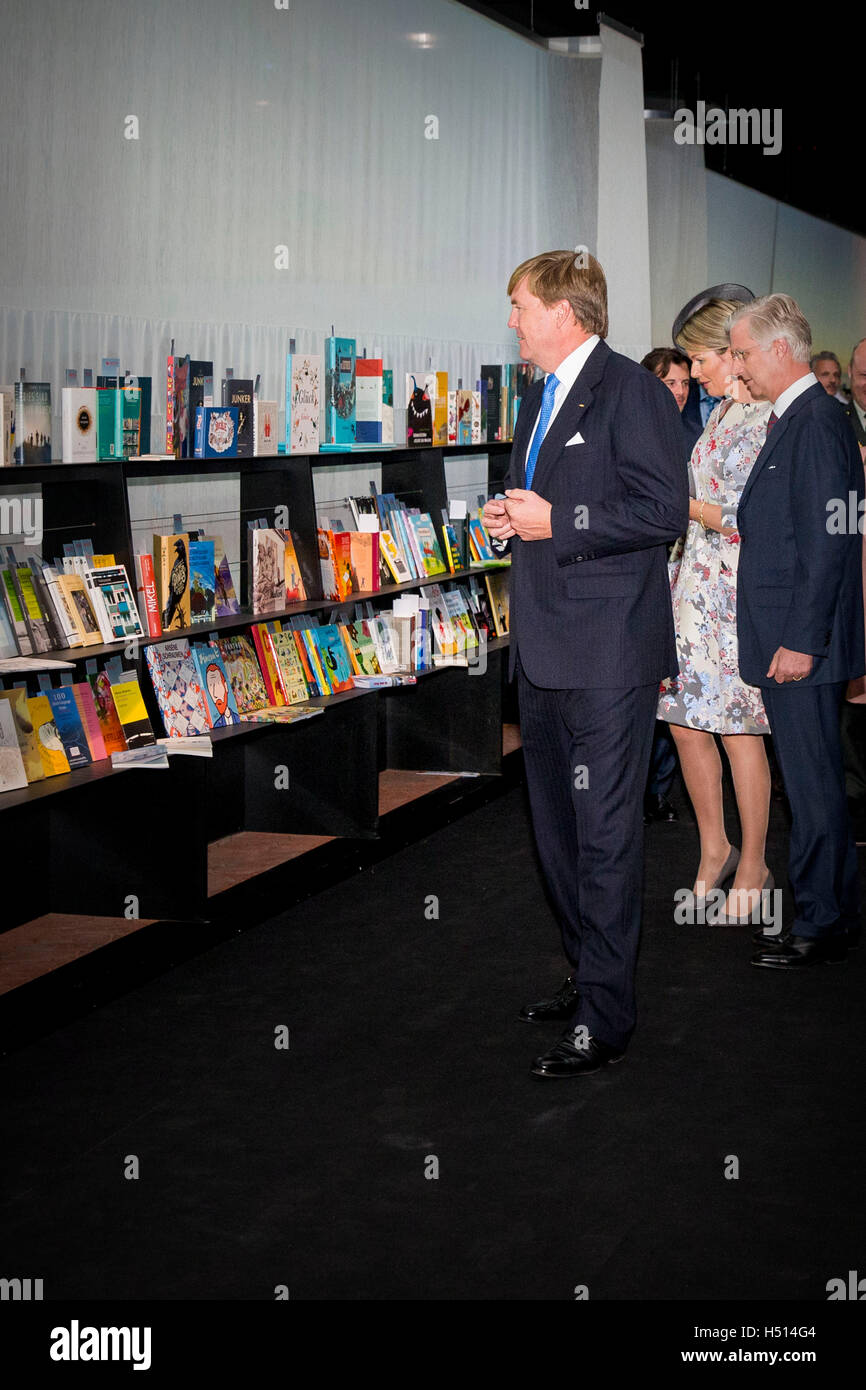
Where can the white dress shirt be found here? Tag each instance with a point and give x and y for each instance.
(566, 373)
(790, 393)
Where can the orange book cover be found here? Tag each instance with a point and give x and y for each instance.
(364, 552)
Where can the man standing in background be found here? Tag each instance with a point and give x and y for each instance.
(800, 617)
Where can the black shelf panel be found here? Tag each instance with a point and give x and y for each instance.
(144, 468)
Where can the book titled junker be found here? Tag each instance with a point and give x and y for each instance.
(238, 391)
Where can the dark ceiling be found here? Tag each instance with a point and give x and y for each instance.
(810, 63)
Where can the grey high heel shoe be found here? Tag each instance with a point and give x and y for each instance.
(729, 868)
(748, 918)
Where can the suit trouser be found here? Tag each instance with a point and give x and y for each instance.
(663, 761)
(822, 864)
(587, 754)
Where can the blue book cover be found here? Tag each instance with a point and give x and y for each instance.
(202, 582)
(216, 431)
(335, 662)
(339, 393)
(221, 704)
(69, 726)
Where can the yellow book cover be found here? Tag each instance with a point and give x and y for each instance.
(437, 390)
(27, 739)
(103, 562)
(497, 592)
(79, 605)
(295, 590)
(350, 651)
(54, 759)
(132, 713)
(286, 652)
(171, 571)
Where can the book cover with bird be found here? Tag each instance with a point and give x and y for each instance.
(171, 569)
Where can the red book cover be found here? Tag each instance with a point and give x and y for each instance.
(275, 668)
(266, 661)
(148, 601)
(341, 542)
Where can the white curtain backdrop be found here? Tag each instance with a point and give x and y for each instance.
(304, 128)
(676, 188)
(771, 247)
(623, 238)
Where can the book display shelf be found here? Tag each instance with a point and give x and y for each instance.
(280, 810)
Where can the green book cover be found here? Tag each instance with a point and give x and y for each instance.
(109, 423)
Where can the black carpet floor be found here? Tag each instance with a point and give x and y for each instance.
(314, 1166)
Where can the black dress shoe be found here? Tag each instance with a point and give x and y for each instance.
(765, 938)
(656, 807)
(790, 952)
(559, 1009)
(576, 1054)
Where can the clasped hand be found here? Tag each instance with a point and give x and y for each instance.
(520, 513)
(789, 666)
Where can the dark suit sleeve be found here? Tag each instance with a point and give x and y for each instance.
(824, 469)
(652, 503)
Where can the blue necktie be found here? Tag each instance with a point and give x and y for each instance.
(543, 421)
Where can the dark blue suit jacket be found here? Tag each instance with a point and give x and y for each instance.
(591, 607)
(799, 583)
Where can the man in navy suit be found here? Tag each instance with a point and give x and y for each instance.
(597, 489)
(800, 616)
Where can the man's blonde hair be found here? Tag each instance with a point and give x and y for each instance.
(556, 275)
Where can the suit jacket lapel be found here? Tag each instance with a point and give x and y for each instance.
(572, 410)
(775, 434)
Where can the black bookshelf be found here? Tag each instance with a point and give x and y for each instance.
(128, 842)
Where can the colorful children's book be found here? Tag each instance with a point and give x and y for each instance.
(90, 720)
(419, 412)
(245, 677)
(202, 598)
(50, 744)
(291, 669)
(12, 771)
(339, 393)
(177, 686)
(69, 725)
(113, 736)
(335, 663)
(28, 742)
(221, 706)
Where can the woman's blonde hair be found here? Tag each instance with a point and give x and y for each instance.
(708, 328)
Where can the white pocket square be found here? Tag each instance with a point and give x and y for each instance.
(575, 439)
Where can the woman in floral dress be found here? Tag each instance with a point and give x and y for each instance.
(709, 697)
